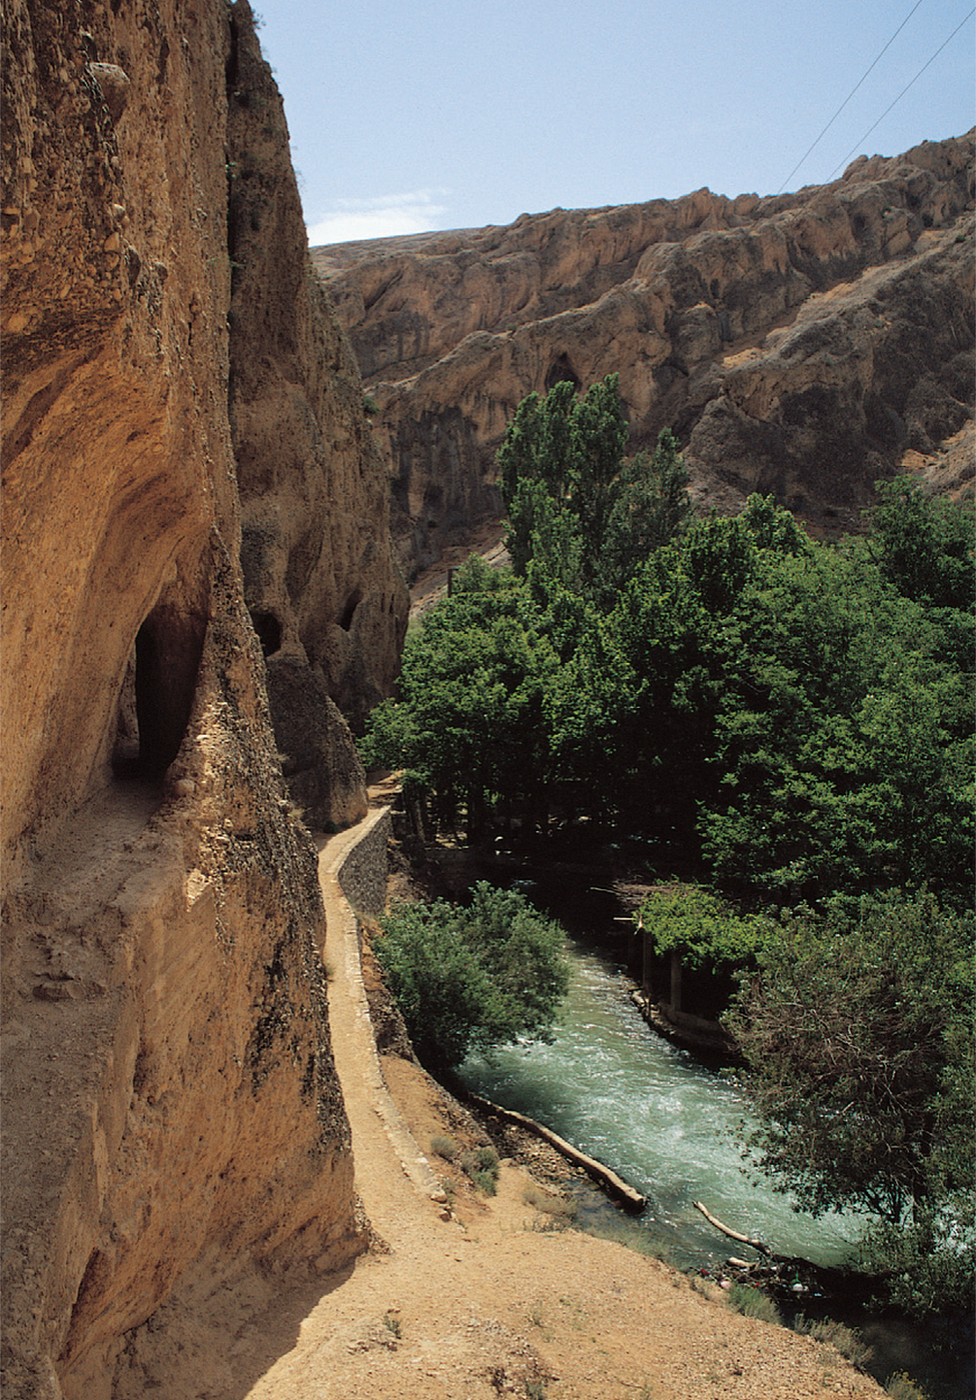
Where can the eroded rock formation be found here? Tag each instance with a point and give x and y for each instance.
(171, 1113)
(318, 573)
(802, 345)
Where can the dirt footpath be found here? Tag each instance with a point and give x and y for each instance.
(475, 1297)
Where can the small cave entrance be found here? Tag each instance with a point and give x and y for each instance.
(269, 632)
(157, 693)
(561, 371)
(351, 604)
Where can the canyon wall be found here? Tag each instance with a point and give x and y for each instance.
(802, 345)
(177, 396)
(315, 497)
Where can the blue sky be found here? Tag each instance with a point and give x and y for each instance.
(410, 117)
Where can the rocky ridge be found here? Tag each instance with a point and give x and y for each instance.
(173, 380)
(802, 345)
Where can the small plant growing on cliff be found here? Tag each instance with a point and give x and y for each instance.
(370, 406)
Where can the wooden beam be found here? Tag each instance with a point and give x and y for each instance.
(632, 1199)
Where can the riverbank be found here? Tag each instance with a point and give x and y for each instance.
(581, 1318)
(467, 1297)
(480, 1296)
(660, 1117)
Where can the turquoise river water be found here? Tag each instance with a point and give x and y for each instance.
(666, 1123)
(617, 1090)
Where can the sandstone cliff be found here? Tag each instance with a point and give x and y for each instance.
(315, 498)
(802, 345)
(171, 1112)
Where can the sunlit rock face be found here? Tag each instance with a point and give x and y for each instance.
(172, 1117)
(802, 345)
(319, 574)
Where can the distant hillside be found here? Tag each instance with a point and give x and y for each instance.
(802, 345)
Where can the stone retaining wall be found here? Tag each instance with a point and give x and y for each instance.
(362, 875)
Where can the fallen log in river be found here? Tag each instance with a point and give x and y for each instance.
(609, 1180)
(734, 1234)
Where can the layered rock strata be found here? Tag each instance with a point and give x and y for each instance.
(171, 1114)
(801, 345)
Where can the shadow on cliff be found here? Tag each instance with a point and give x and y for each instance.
(225, 1342)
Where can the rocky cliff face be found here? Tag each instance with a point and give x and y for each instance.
(802, 345)
(318, 572)
(171, 1112)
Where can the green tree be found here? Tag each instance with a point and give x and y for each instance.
(773, 714)
(671, 624)
(650, 506)
(469, 979)
(843, 738)
(702, 927)
(468, 718)
(578, 513)
(589, 711)
(924, 544)
(857, 1031)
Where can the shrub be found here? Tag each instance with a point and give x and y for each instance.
(752, 1302)
(548, 1204)
(472, 978)
(481, 1165)
(901, 1387)
(835, 1334)
(444, 1146)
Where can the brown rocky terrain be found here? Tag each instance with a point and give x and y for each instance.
(802, 345)
(461, 1296)
(198, 593)
(328, 607)
(173, 381)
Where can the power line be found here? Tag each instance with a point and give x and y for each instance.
(902, 93)
(850, 95)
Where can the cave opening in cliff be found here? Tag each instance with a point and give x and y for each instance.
(157, 692)
(268, 629)
(352, 603)
(561, 371)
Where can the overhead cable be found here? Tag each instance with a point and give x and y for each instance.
(850, 95)
(902, 93)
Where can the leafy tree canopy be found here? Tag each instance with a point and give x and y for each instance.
(857, 1031)
(468, 720)
(469, 979)
(579, 515)
(773, 714)
(704, 929)
(843, 737)
(924, 544)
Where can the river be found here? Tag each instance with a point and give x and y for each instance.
(663, 1121)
